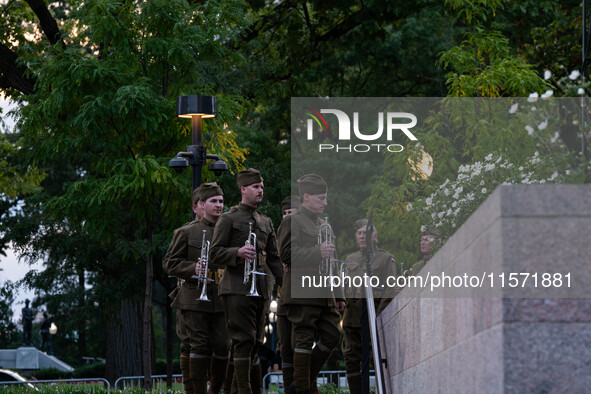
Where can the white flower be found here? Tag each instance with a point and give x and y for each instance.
(520, 168)
(482, 182)
(456, 196)
(457, 211)
(547, 94)
(530, 130)
(454, 204)
(448, 212)
(440, 214)
(483, 190)
(489, 166)
(542, 181)
(423, 229)
(438, 224)
(446, 191)
(543, 125)
(429, 201)
(470, 196)
(533, 97)
(459, 189)
(475, 173)
(581, 91)
(574, 75)
(547, 74)
(409, 207)
(488, 157)
(513, 108)
(554, 138)
(433, 215)
(554, 176)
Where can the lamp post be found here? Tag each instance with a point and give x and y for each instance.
(196, 108)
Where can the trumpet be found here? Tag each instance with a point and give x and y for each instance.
(250, 266)
(204, 260)
(325, 236)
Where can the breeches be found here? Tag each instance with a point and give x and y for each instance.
(207, 333)
(245, 319)
(284, 333)
(352, 349)
(307, 321)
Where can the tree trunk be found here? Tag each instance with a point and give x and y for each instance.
(123, 341)
(147, 318)
(81, 316)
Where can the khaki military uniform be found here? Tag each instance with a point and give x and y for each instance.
(283, 325)
(202, 322)
(382, 266)
(245, 316)
(309, 317)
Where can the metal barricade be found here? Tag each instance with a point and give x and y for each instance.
(158, 382)
(273, 381)
(85, 383)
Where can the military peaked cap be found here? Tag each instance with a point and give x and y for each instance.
(312, 184)
(208, 190)
(248, 177)
(290, 202)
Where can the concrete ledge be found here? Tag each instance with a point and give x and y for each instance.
(502, 340)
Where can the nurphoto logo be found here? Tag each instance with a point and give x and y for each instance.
(392, 122)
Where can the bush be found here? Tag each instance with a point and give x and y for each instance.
(161, 367)
(51, 373)
(96, 370)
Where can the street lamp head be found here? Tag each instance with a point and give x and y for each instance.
(189, 106)
(178, 163)
(218, 167)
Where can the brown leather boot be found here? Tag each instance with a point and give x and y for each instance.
(301, 371)
(354, 380)
(185, 370)
(229, 375)
(287, 376)
(242, 373)
(318, 359)
(199, 374)
(218, 368)
(256, 378)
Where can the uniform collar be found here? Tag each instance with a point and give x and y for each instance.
(307, 213)
(207, 222)
(245, 207)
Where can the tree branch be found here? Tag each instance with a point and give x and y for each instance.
(12, 74)
(47, 21)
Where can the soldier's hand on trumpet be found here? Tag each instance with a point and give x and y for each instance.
(200, 269)
(327, 250)
(247, 252)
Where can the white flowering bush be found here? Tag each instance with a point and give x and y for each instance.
(452, 202)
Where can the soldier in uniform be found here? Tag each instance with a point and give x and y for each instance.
(429, 241)
(245, 315)
(202, 321)
(310, 317)
(383, 265)
(289, 206)
(181, 332)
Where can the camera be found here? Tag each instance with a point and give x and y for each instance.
(218, 167)
(179, 164)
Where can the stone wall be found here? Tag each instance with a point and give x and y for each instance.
(500, 339)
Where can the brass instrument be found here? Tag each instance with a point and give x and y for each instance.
(204, 260)
(325, 236)
(250, 266)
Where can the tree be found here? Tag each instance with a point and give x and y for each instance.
(103, 101)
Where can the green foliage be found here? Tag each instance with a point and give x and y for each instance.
(15, 178)
(484, 66)
(9, 336)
